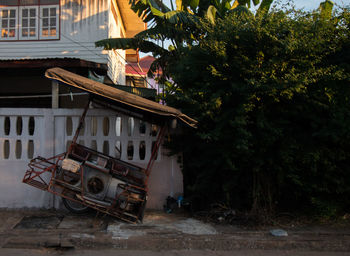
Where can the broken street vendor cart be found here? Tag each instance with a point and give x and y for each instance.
(82, 176)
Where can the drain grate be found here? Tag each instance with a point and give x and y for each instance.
(39, 222)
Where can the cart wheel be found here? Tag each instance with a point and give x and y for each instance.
(75, 207)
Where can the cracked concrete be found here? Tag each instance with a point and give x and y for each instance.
(150, 226)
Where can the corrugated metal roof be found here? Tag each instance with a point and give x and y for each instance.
(37, 58)
(118, 97)
(50, 62)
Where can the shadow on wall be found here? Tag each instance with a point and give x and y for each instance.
(90, 16)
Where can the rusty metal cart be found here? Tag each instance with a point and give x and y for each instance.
(85, 178)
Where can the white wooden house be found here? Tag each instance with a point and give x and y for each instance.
(37, 116)
(50, 29)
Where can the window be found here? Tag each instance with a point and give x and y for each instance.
(49, 22)
(29, 19)
(8, 23)
(28, 23)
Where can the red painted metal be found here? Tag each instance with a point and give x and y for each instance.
(127, 204)
(155, 151)
(129, 201)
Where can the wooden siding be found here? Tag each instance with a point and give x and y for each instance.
(82, 23)
(116, 59)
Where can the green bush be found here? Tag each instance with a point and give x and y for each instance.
(272, 97)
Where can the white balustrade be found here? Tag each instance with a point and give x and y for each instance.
(23, 136)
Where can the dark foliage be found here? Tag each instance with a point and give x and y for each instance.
(272, 97)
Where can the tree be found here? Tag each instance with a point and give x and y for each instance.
(272, 97)
(180, 25)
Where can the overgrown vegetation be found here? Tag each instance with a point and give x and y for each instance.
(272, 97)
(271, 93)
(179, 24)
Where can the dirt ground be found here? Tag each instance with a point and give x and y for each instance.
(116, 252)
(36, 232)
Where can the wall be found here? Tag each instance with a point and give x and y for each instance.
(116, 58)
(54, 129)
(12, 192)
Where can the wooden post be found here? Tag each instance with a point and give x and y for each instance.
(55, 94)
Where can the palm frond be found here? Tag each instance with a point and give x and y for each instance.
(211, 14)
(160, 32)
(176, 17)
(159, 4)
(242, 10)
(145, 9)
(235, 4)
(161, 64)
(256, 2)
(326, 9)
(193, 4)
(131, 43)
(179, 5)
(264, 7)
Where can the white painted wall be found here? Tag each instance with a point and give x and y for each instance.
(12, 192)
(51, 136)
(116, 58)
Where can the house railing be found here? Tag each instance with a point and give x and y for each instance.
(140, 91)
(26, 135)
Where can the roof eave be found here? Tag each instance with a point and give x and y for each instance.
(132, 22)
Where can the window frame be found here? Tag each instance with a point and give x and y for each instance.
(16, 23)
(57, 16)
(39, 22)
(20, 23)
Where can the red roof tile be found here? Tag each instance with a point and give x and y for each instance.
(141, 68)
